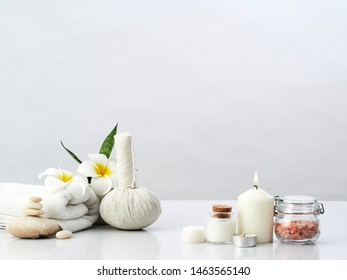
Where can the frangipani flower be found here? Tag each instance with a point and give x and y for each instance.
(59, 179)
(103, 173)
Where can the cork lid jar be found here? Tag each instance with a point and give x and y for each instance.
(221, 225)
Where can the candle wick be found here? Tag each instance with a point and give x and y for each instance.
(256, 187)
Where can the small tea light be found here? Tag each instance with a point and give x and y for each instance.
(245, 240)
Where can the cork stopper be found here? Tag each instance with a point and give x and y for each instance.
(221, 211)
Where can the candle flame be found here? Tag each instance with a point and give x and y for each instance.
(255, 179)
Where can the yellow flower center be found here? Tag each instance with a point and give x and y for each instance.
(65, 177)
(102, 170)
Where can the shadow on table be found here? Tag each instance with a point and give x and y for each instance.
(129, 245)
(227, 252)
(296, 252)
(111, 244)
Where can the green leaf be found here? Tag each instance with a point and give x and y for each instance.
(71, 153)
(107, 145)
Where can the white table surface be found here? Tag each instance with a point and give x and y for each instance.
(162, 240)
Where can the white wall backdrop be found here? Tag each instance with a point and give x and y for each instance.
(211, 90)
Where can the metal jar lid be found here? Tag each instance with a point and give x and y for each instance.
(298, 204)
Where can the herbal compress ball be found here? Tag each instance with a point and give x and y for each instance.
(128, 207)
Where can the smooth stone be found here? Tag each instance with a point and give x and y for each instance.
(34, 205)
(32, 227)
(32, 212)
(63, 234)
(193, 234)
(35, 199)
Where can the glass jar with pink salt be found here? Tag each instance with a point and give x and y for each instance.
(297, 219)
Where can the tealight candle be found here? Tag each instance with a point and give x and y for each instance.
(255, 213)
(245, 240)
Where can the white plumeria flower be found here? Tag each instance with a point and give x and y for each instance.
(59, 179)
(103, 173)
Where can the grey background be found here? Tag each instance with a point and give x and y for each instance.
(211, 90)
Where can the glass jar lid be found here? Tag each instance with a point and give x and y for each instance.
(298, 204)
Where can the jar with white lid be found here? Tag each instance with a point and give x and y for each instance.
(221, 225)
(297, 219)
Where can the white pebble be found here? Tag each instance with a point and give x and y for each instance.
(32, 212)
(33, 205)
(63, 234)
(193, 234)
(35, 199)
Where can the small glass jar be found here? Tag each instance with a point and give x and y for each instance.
(297, 219)
(221, 225)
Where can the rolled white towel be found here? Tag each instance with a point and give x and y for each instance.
(70, 213)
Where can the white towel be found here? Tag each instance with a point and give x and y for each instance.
(70, 213)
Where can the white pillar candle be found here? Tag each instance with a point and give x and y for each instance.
(255, 213)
